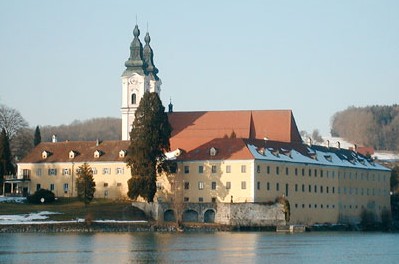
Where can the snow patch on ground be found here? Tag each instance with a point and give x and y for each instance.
(37, 218)
(4, 199)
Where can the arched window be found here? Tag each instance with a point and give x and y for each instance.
(134, 98)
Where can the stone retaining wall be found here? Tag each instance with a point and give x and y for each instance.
(231, 214)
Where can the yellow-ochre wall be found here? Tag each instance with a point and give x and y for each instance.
(110, 178)
(317, 194)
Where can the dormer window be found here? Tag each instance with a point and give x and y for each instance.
(72, 154)
(45, 154)
(261, 151)
(212, 151)
(275, 152)
(122, 153)
(328, 157)
(97, 154)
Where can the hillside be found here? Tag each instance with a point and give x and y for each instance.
(106, 128)
(374, 126)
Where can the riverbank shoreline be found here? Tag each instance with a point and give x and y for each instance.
(123, 227)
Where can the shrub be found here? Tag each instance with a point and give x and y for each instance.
(41, 196)
(386, 219)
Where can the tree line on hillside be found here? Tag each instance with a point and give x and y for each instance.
(374, 126)
(23, 138)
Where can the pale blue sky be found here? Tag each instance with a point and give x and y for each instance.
(62, 60)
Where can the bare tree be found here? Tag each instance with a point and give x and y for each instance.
(11, 120)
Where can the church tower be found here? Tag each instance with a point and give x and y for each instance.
(139, 77)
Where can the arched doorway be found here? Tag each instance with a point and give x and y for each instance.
(190, 216)
(209, 216)
(169, 216)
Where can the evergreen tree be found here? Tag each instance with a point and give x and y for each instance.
(149, 140)
(6, 166)
(85, 183)
(38, 138)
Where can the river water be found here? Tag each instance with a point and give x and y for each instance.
(223, 247)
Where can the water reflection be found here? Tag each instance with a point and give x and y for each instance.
(199, 248)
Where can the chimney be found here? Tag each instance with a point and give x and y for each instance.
(355, 148)
(54, 139)
(328, 143)
(338, 145)
(309, 141)
(170, 106)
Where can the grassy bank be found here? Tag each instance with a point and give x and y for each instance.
(71, 208)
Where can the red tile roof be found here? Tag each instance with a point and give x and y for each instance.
(193, 132)
(59, 151)
(192, 129)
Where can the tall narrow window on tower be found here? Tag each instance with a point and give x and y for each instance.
(134, 98)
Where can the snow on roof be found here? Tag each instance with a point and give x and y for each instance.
(317, 156)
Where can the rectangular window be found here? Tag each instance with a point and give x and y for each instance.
(228, 169)
(38, 186)
(186, 185)
(303, 172)
(39, 172)
(296, 187)
(277, 170)
(287, 171)
(66, 171)
(277, 186)
(268, 186)
(327, 189)
(268, 169)
(286, 189)
(310, 188)
(200, 185)
(213, 185)
(186, 169)
(315, 172)
(321, 189)
(333, 189)
(52, 172)
(257, 168)
(296, 171)
(119, 184)
(303, 187)
(258, 185)
(315, 188)
(228, 185)
(119, 170)
(94, 170)
(321, 173)
(52, 187)
(200, 199)
(243, 168)
(106, 171)
(186, 199)
(213, 168)
(200, 169)
(310, 172)
(66, 187)
(243, 185)
(213, 199)
(105, 184)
